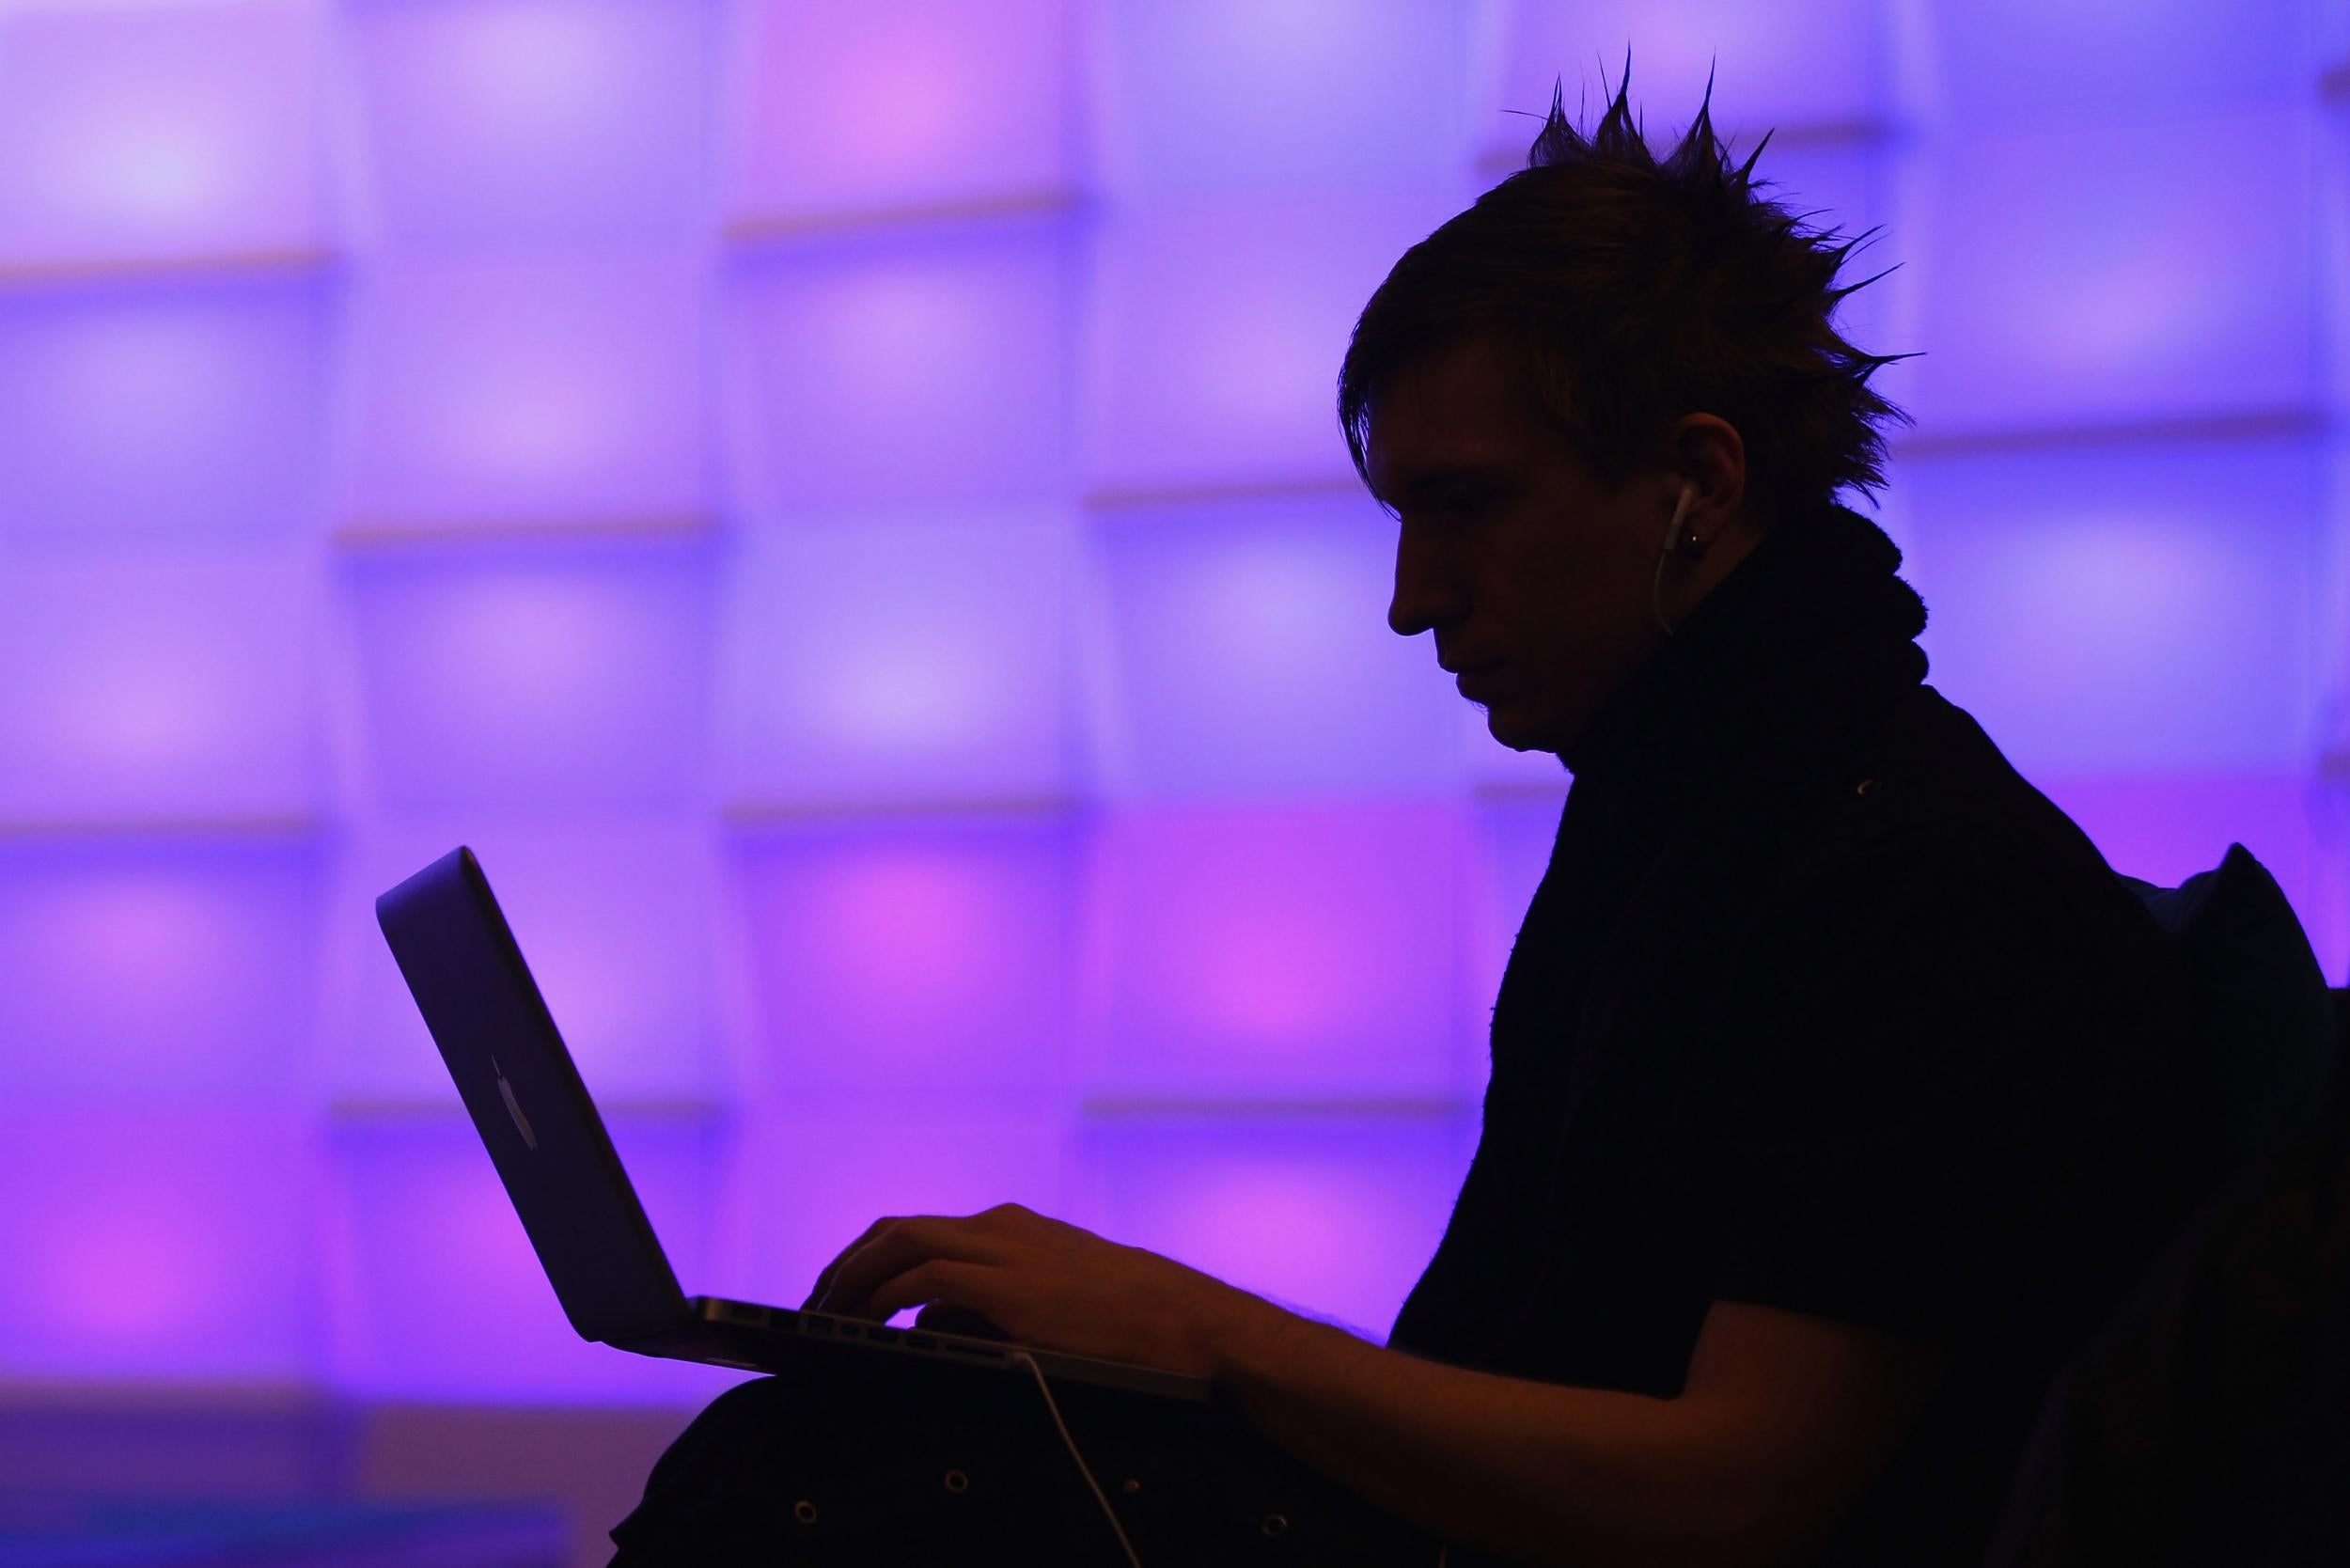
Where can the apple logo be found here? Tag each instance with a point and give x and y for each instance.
(505, 1092)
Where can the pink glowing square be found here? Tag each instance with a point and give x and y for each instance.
(517, 389)
(160, 971)
(1215, 332)
(918, 365)
(2126, 608)
(434, 1290)
(1275, 952)
(1244, 649)
(1307, 95)
(1333, 1218)
(154, 1246)
(618, 919)
(159, 688)
(900, 104)
(899, 657)
(2052, 293)
(146, 133)
(924, 960)
(509, 676)
(577, 118)
(191, 411)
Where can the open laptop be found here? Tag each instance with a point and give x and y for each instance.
(548, 1142)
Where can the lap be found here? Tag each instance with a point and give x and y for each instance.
(895, 1460)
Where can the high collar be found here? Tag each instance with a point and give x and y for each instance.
(1807, 639)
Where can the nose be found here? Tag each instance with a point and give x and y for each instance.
(1427, 591)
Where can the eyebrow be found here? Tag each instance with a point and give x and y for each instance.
(1445, 476)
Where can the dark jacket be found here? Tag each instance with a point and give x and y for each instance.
(1820, 1006)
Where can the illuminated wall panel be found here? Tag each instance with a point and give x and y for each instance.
(1233, 95)
(517, 389)
(900, 104)
(812, 1179)
(2167, 591)
(151, 1245)
(899, 657)
(2003, 60)
(192, 411)
(1828, 63)
(507, 676)
(157, 971)
(917, 959)
(157, 688)
(581, 118)
(2055, 294)
(1283, 953)
(436, 1295)
(1247, 651)
(1214, 335)
(618, 921)
(142, 134)
(898, 367)
(1334, 1217)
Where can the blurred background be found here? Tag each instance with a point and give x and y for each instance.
(842, 506)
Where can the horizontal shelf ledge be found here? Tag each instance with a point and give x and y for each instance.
(363, 535)
(1120, 1107)
(2255, 424)
(756, 229)
(257, 826)
(193, 266)
(761, 813)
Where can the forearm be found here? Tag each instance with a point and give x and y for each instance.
(1527, 1469)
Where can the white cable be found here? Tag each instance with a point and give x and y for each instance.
(1029, 1361)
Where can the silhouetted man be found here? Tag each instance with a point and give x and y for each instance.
(1813, 1139)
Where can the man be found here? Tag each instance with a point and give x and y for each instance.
(1812, 1142)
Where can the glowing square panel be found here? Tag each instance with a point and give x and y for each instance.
(618, 918)
(519, 389)
(914, 959)
(2052, 295)
(1334, 1218)
(150, 133)
(1282, 952)
(900, 104)
(1821, 65)
(1214, 336)
(513, 676)
(2126, 608)
(434, 1290)
(813, 1179)
(2165, 830)
(869, 370)
(579, 119)
(2102, 59)
(1247, 651)
(1235, 94)
(157, 1247)
(156, 970)
(188, 412)
(164, 688)
(899, 657)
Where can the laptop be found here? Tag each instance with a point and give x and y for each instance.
(533, 1112)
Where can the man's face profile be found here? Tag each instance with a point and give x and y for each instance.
(1511, 551)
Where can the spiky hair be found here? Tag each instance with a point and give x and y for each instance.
(1633, 291)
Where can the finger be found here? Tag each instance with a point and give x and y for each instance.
(906, 1245)
(943, 1318)
(824, 1280)
(942, 1281)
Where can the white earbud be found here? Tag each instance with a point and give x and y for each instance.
(1688, 493)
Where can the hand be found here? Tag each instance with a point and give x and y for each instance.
(1039, 1282)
